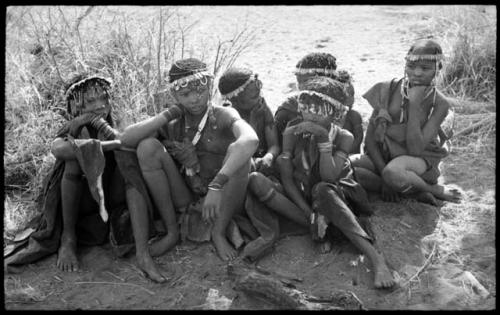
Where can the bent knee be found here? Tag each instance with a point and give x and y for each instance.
(321, 190)
(148, 149)
(260, 185)
(395, 177)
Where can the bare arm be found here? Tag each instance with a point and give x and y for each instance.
(357, 124)
(241, 150)
(133, 134)
(285, 166)
(62, 149)
(417, 138)
(373, 149)
(273, 147)
(330, 166)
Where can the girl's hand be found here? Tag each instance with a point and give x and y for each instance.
(77, 123)
(417, 93)
(211, 205)
(308, 127)
(264, 162)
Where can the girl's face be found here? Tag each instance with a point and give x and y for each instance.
(302, 78)
(96, 100)
(194, 97)
(249, 97)
(420, 72)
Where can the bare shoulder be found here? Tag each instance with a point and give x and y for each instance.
(344, 140)
(443, 102)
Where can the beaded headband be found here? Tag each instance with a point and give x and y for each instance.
(76, 85)
(184, 81)
(414, 57)
(314, 71)
(240, 89)
(336, 105)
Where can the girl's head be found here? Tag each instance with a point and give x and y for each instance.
(241, 86)
(315, 64)
(86, 93)
(323, 101)
(423, 62)
(191, 84)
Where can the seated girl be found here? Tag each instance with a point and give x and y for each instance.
(200, 158)
(405, 142)
(320, 190)
(325, 64)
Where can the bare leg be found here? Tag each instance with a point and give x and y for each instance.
(264, 190)
(402, 174)
(140, 225)
(337, 212)
(153, 160)
(71, 191)
(233, 199)
(366, 173)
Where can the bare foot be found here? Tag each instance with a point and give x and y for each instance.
(224, 249)
(325, 247)
(66, 256)
(149, 268)
(383, 276)
(167, 242)
(427, 197)
(448, 194)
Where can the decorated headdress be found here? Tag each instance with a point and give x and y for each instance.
(188, 70)
(78, 85)
(234, 80)
(425, 49)
(323, 96)
(317, 63)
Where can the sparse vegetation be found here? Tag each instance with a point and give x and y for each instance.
(46, 46)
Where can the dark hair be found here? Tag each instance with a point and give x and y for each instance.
(233, 78)
(318, 60)
(185, 67)
(328, 86)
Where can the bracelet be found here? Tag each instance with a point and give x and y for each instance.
(219, 181)
(325, 147)
(341, 154)
(172, 113)
(101, 125)
(213, 188)
(313, 217)
(285, 156)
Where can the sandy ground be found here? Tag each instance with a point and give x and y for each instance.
(455, 240)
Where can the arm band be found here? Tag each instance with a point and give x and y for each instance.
(325, 147)
(341, 154)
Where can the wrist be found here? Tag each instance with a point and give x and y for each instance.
(218, 182)
(325, 147)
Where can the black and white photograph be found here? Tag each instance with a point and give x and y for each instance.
(250, 157)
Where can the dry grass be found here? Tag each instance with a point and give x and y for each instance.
(134, 50)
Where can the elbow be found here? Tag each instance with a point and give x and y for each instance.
(253, 144)
(57, 148)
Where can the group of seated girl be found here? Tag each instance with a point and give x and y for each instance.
(234, 174)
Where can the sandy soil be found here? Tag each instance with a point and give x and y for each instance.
(369, 42)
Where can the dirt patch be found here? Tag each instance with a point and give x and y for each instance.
(445, 257)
